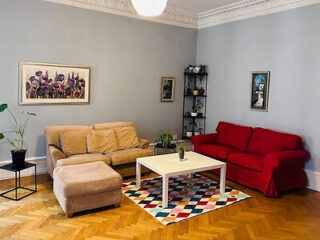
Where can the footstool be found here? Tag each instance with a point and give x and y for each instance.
(86, 186)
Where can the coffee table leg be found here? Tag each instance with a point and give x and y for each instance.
(165, 192)
(222, 179)
(138, 175)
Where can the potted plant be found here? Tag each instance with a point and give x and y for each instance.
(196, 107)
(165, 138)
(19, 152)
(181, 150)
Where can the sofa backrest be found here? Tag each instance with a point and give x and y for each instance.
(264, 141)
(53, 132)
(107, 126)
(234, 135)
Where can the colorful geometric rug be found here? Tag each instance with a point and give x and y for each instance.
(188, 197)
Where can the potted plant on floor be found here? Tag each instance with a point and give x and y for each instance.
(181, 150)
(165, 138)
(18, 152)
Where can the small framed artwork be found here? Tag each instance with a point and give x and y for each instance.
(167, 89)
(260, 91)
(43, 83)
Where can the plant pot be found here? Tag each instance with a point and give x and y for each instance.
(181, 155)
(200, 114)
(18, 158)
(195, 92)
(201, 91)
(196, 133)
(194, 114)
(189, 134)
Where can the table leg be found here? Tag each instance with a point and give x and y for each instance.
(223, 179)
(35, 178)
(138, 175)
(165, 185)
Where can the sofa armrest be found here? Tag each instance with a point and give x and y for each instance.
(204, 139)
(55, 153)
(285, 159)
(143, 143)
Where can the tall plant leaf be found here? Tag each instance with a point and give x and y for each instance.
(3, 107)
(1, 136)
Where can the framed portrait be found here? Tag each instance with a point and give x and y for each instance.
(260, 91)
(167, 89)
(43, 83)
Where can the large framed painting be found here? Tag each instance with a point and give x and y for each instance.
(43, 83)
(260, 91)
(167, 89)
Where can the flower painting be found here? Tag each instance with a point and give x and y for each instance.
(53, 84)
(260, 91)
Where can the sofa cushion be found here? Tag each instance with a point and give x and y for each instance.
(73, 142)
(216, 151)
(128, 155)
(234, 135)
(247, 160)
(101, 141)
(264, 141)
(126, 137)
(107, 126)
(84, 158)
(86, 179)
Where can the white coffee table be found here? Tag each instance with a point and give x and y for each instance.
(168, 165)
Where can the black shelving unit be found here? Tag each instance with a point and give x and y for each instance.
(192, 124)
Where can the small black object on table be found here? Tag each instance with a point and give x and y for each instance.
(172, 148)
(9, 167)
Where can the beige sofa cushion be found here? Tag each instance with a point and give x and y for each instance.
(101, 141)
(84, 158)
(86, 179)
(106, 126)
(126, 137)
(73, 142)
(128, 155)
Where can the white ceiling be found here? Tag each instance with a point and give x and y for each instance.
(199, 5)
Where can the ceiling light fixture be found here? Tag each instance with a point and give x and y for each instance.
(149, 8)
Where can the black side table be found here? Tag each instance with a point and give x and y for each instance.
(171, 149)
(9, 167)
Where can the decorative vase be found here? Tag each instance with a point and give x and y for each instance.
(195, 92)
(18, 158)
(181, 154)
(189, 134)
(194, 114)
(201, 91)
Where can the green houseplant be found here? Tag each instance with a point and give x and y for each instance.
(197, 105)
(165, 138)
(181, 150)
(18, 152)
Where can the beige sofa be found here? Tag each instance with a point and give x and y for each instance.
(116, 144)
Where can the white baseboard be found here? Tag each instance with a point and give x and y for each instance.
(313, 180)
(41, 168)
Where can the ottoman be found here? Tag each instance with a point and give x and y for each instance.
(86, 186)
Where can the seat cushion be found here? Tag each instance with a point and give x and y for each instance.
(126, 137)
(128, 155)
(101, 141)
(216, 151)
(234, 135)
(73, 142)
(86, 179)
(264, 141)
(83, 158)
(247, 160)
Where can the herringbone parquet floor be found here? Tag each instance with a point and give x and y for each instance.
(296, 215)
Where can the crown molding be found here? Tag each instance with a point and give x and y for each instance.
(183, 18)
(247, 9)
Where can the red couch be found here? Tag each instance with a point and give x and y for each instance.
(269, 161)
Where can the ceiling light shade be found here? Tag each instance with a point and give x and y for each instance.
(149, 8)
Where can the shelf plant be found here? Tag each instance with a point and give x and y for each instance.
(197, 105)
(18, 152)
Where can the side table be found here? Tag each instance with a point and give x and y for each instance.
(17, 178)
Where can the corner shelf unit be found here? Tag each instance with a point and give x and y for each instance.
(194, 124)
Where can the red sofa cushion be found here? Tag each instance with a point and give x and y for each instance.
(264, 141)
(216, 151)
(234, 135)
(247, 160)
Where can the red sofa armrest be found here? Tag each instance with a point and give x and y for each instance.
(286, 159)
(204, 139)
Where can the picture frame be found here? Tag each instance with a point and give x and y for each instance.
(168, 89)
(45, 83)
(260, 81)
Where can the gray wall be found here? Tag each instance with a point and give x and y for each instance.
(288, 45)
(128, 57)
